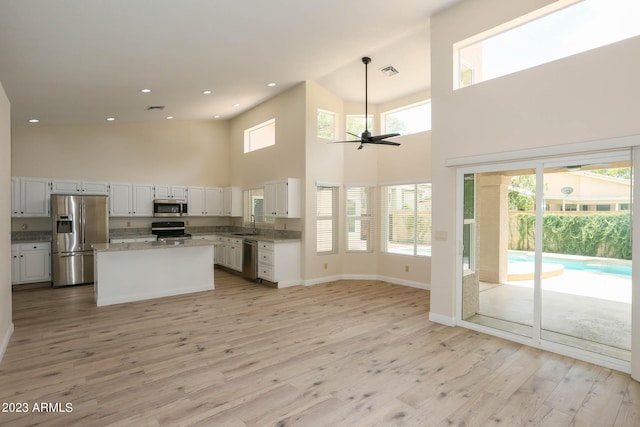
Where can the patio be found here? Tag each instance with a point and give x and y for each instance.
(587, 310)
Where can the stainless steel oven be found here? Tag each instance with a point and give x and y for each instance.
(169, 207)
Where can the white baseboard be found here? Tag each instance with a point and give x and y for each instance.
(443, 320)
(5, 340)
(387, 279)
(321, 280)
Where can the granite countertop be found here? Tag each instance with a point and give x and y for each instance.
(162, 244)
(258, 237)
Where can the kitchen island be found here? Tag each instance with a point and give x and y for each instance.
(125, 272)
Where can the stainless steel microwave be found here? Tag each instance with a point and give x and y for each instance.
(169, 207)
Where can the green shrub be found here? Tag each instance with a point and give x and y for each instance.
(603, 235)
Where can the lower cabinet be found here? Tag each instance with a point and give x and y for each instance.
(279, 262)
(227, 252)
(31, 262)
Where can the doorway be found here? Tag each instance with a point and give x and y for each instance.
(546, 254)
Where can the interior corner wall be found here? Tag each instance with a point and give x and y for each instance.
(285, 159)
(585, 97)
(324, 163)
(6, 325)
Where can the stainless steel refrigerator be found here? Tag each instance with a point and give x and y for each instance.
(77, 223)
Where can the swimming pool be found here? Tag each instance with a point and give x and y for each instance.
(595, 265)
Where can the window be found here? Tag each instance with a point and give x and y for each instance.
(409, 119)
(359, 219)
(407, 219)
(326, 124)
(355, 125)
(254, 206)
(327, 220)
(260, 136)
(562, 29)
(469, 224)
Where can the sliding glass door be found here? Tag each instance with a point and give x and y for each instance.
(546, 252)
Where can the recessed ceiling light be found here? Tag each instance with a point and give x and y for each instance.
(145, 90)
(217, 116)
(169, 117)
(271, 84)
(34, 121)
(206, 92)
(110, 119)
(236, 105)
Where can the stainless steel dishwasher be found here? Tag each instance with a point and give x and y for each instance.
(250, 259)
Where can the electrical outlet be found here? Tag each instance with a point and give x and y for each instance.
(128, 223)
(24, 226)
(406, 268)
(326, 265)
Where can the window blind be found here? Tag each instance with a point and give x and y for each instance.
(327, 220)
(359, 203)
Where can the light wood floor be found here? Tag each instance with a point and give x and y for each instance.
(350, 353)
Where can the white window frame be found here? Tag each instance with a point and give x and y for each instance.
(334, 127)
(417, 250)
(321, 217)
(548, 11)
(369, 122)
(248, 196)
(363, 215)
(260, 136)
(386, 114)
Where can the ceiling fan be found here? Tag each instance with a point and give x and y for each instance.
(366, 137)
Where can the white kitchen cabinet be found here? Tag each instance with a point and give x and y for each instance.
(213, 204)
(282, 198)
(143, 195)
(279, 262)
(15, 263)
(120, 199)
(232, 201)
(66, 186)
(230, 253)
(131, 199)
(31, 262)
(30, 197)
(166, 191)
(205, 201)
(95, 188)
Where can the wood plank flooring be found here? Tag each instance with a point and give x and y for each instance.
(348, 353)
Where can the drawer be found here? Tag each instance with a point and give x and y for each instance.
(265, 257)
(265, 246)
(34, 246)
(265, 272)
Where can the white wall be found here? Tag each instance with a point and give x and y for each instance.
(585, 97)
(6, 325)
(171, 152)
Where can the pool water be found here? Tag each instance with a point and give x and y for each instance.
(595, 265)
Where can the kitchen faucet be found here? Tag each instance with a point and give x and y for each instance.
(253, 224)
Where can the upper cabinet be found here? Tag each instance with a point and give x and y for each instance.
(232, 201)
(131, 199)
(30, 197)
(166, 191)
(205, 201)
(65, 186)
(282, 198)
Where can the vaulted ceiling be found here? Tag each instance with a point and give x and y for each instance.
(79, 61)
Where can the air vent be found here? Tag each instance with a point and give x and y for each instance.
(155, 107)
(389, 70)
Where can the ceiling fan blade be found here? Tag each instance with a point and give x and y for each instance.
(384, 143)
(341, 142)
(353, 134)
(380, 137)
